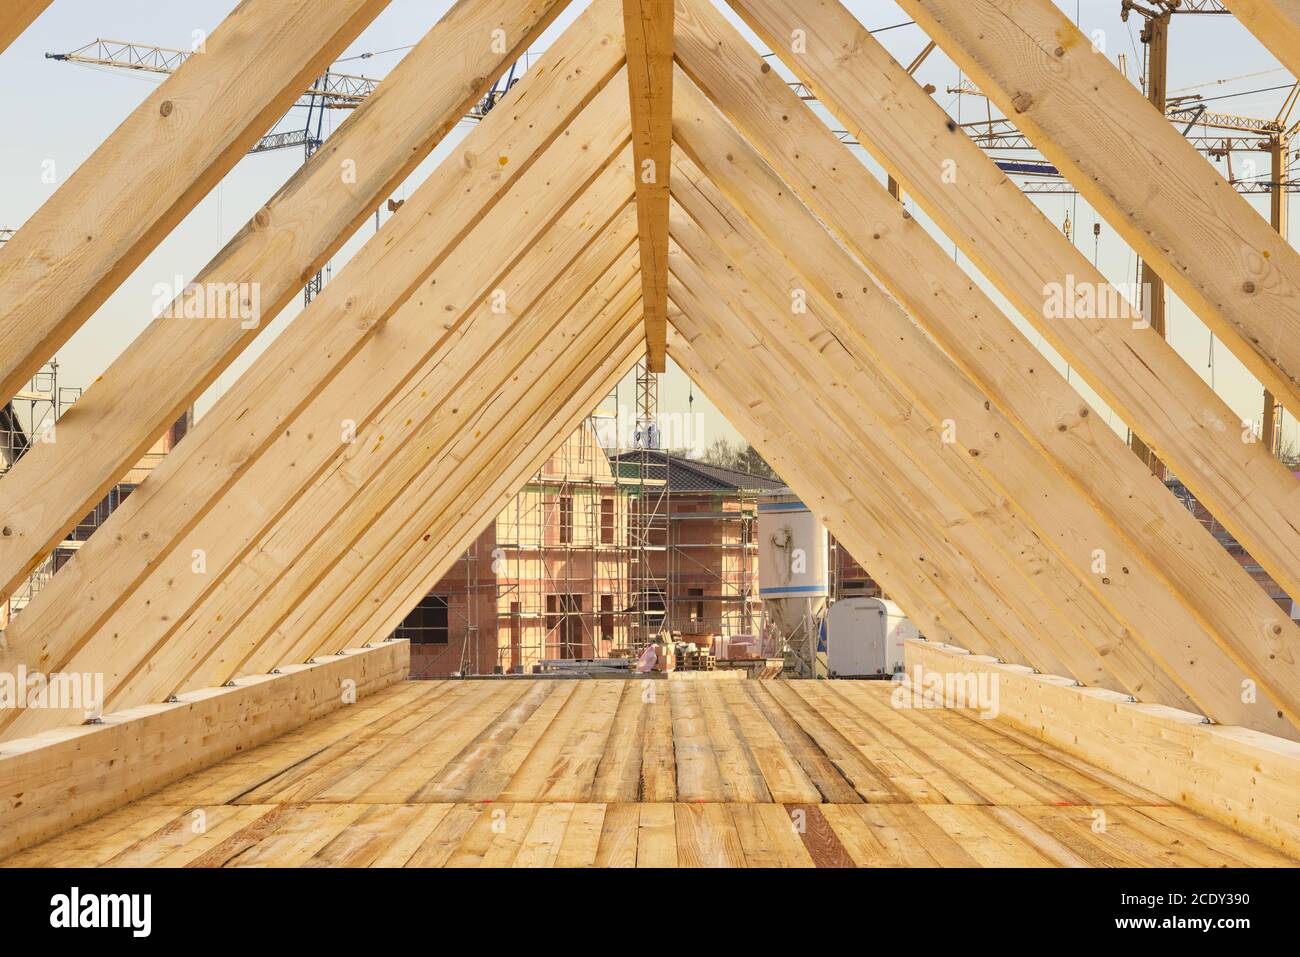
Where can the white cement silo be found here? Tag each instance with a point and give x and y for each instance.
(792, 576)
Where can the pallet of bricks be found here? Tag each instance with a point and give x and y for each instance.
(696, 661)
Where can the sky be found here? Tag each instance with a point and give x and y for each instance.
(59, 112)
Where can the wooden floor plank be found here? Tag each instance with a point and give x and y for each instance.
(651, 773)
(848, 762)
(582, 836)
(706, 836)
(656, 836)
(618, 836)
(812, 761)
(699, 777)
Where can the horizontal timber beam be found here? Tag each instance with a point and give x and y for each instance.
(76, 774)
(1241, 778)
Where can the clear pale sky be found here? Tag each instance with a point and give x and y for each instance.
(61, 112)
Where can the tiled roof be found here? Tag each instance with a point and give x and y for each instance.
(689, 475)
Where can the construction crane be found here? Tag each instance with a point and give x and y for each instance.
(332, 91)
(1275, 135)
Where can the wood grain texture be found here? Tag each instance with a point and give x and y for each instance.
(648, 32)
(382, 784)
(1167, 201)
(16, 17)
(1276, 24)
(305, 360)
(1239, 778)
(991, 544)
(1135, 371)
(308, 219)
(109, 214)
(1015, 416)
(55, 780)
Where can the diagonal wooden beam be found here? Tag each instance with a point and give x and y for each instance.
(16, 17)
(699, 348)
(576, 95)
(400, 459)
(1208, 662)
(966, 599)
(1171, 205)
(107, 216)
(1276, 24)
(56, 483)
(392, 391)
(960, 599)
(1064, 621)
(648, 30)
(375, 617)
(368, 582)
(1135, 370)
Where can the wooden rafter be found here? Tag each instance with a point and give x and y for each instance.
(1276, 23)
(291, 236)
(1027, 474)
(962, 599)
(401, 462)
(648, 30)
(106, 217)
(415, 572)
(374, 498)
(16, 17)
(970, 514)
(579, 81)
(1171, 205)
(1136, 372)
(357, 480)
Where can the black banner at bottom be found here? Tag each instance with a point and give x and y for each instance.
(338, 907)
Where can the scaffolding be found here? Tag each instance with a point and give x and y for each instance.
(28, 418)
(595, 556)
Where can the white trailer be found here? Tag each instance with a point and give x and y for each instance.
(864, 637)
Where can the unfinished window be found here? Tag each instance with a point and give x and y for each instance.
(698, 613)
(566, 519)
(607, 618)
(427, 622)
(607, 521)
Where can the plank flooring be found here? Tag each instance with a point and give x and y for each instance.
(639, 773)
